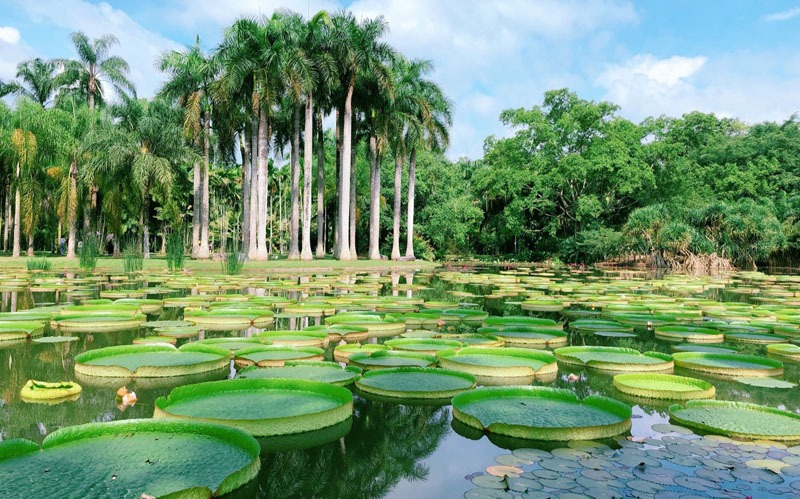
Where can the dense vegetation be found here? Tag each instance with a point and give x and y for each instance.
(231, 156)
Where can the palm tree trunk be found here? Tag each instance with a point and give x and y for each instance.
(374, 200)
(294, 215)
(398, 185)
(17, 203)
(72, 208)
(145, 225)
(252, 250)
(204, 251)
(30, 242)
(353, 208)
(196, 209)
(308, 159)
(8, 217)
(338, 176)
(343, 244)
(320, 187)
(412, 166)
(163, 250)
(246, 170)
(263, 170)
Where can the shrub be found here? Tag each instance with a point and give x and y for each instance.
(90, 252)
(133, 257)
(38, 263)
(175, 249)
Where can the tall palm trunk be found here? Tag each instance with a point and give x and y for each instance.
(337, 175)
(246, 171)
(398, 184)
(30, 242)
(353, 208)
(145, 215)
(374, 200)
(72, 208)
(320, 187)
(17, 203)
(263, 170)
(412, 167)
(203, 251)
(294, 216)
(252, 250)
(308, 158)
(343, 244)
(8, 217)
(197, 203)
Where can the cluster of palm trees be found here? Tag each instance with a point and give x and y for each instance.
(267, 87)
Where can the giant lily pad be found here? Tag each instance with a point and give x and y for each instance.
(342, 332)
(49, 391)
(384, 359)
(520, 320)
(738, 419)
(411, 383)
(541, 413)
(527, 336)
(261, 407)
(663, 386)
(325, 372)
(784, 350)
(98, 323)
(20, 330)
(500, 365)
(150, 361)
(379, 327)
(692, 334)
(343, 352)
(422, 345)
(731, 364)
(129, 458)
(275, 355)
(296, 338)
(223, 319)
(614, 358)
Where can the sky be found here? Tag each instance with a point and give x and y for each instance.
(735, 58)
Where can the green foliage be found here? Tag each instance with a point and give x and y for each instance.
(233, 263)
(90, 252)
(133, 257)
(38, 263)
(594, 245)
(175, 249)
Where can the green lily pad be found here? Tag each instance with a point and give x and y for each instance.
(663, 386)
(158, 458)
(275, 355)
(692, 334)
(729, 364)
(415, 383)
(49, 391)
(384, 359)
(150, 361)
(56, 339)
(500, 365)
(765, 382)
(260, 407)
(540, 413)
(614, 358)
(325, 372)
(786, 350)
(738, 419)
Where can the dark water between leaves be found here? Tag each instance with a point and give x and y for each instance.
(402, 451)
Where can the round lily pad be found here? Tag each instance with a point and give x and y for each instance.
(702, 348)
(521, 320)
(784, 350)
(325, 372)
(149, 361)
(232, 344)
(384, 359)
(614, 358)
(275, 355)
(540, 413)
(49, 391)
(225, 319)
(738, 419)
(295, 338)
(527, 336)
(56, 339)
(343, 352)
(79, 323)
(692, 334)
(378, 326)
(260, 407)
(148, 340)
(500, 365)
(342, 332)
(20, 330)
(415, 383)
(663, 386)
(729, 364)
(422, 345)
(156, 458)
(763, 382)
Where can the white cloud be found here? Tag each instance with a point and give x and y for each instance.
(9, 34)
(139, 46)
(647, 86)
(782, 16)
(197, 13)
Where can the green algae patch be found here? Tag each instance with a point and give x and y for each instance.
(411, 383)
(691, 334)
(728, 364)
(492, 365)
(43, 391)
(129, 459)
(324, 372)
(738, 419)
(385, 359)
(260, 407)
(275, 355)
(150, 361)
(541, 413)
(614, 359)
(663, 386)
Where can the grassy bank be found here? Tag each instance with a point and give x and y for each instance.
(156, 263)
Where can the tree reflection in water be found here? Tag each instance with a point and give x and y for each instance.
(386, 444)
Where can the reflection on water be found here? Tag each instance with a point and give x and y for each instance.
(386, 449)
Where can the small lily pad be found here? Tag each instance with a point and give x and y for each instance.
(765, 382)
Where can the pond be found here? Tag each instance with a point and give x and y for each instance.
(418, 449)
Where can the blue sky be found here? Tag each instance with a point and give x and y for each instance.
(734, 57)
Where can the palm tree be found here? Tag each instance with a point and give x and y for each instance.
(95, 66)
(190, 75)
(356, 48)
(39, 79)
(431, 120)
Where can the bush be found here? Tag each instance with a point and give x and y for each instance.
(90, 252)
(233, 263)
(133, 257)
(175, 249)
(38, 263)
